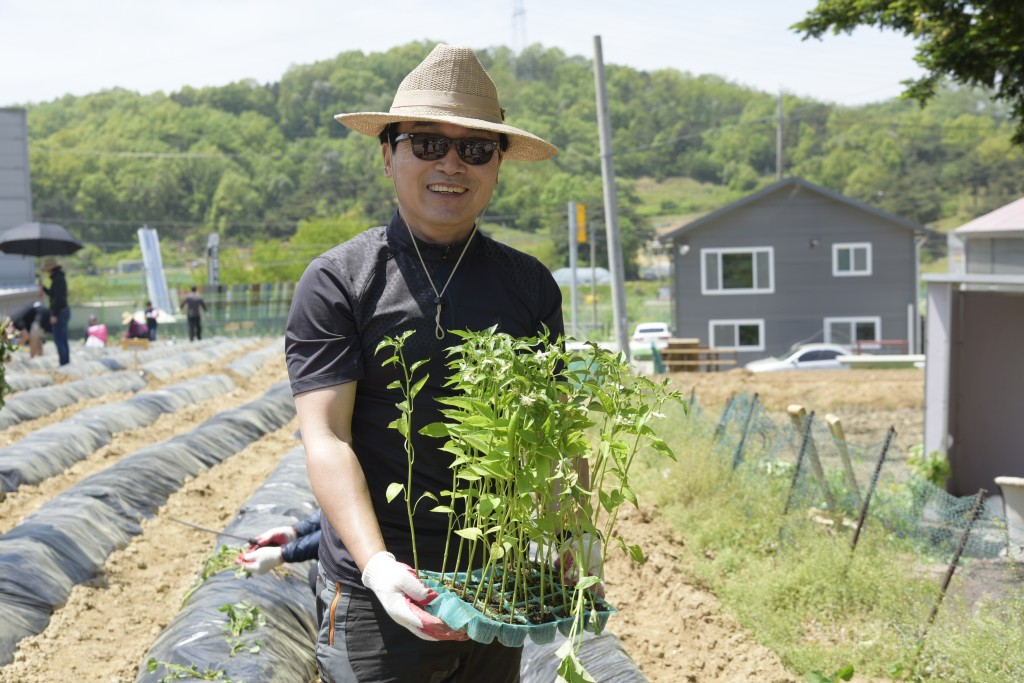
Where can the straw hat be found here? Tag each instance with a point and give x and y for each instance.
(49, 264)
(126, 318)
(451, 86)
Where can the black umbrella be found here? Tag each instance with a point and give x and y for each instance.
(38, 239)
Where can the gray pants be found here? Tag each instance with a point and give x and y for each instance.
(360, 643)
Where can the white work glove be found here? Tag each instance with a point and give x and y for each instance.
(261, 560)
(279, 535)
(581, 556)
(403, 597)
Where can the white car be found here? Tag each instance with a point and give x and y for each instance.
(647, 333)
(818, 356)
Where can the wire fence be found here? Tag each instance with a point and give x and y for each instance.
(865, 489)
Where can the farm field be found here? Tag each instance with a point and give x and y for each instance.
(674, 629)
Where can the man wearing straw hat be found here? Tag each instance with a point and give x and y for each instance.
(430, 271)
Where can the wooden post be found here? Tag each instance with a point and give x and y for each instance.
(836, 427)
(799, 416)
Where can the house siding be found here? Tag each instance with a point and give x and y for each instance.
(15, 197)
(800, 225)
(995, 256)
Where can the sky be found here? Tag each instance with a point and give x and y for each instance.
(50, 48)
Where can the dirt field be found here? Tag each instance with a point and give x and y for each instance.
(675, 631)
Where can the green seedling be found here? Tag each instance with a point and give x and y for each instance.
(525, 418)
(222, 560)
(178, 672)
(242, 617)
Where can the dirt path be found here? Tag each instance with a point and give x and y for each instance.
(674, 630)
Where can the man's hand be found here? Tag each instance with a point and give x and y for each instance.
(279, 535)
(261, 560)
(581, 556)
(403, 595)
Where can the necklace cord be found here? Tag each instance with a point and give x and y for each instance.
(439, 331)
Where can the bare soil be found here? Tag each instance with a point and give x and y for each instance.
(673, 627)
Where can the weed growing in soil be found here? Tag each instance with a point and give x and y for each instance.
(793, 581)
(8, 345)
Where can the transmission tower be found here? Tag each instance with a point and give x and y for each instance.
(518, 27)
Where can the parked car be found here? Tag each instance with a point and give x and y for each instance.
(646, 333)
(819, 356)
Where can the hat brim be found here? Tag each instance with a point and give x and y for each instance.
(522, 146)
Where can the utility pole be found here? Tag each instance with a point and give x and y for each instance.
(573, 246)
(778, 138)
(611, 214)
(518, 27)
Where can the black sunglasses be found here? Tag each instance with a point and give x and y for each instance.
(431, 147)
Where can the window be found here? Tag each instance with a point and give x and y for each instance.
(743, 270)
(742, 335)
(849, 331)
(851, 259)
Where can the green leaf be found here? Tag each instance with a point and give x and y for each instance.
(634, 551)
(419, 385)
(470, 534)
(394, 488)
(435, 429)
(587, 581)
(570, 669)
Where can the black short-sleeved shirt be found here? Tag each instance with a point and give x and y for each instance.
(371, 287)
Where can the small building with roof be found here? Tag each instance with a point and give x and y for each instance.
(796, 263)
(974, 376)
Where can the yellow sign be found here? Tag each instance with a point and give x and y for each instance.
(581, 223)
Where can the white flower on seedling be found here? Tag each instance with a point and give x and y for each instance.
(542, 356)
(656, 414)
(527, 400)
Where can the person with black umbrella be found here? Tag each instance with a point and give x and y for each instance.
(60, 312)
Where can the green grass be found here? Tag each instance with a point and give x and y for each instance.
(795, 585)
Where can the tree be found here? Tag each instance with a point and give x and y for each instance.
(973, 42)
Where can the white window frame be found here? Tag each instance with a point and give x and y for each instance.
(736, 323)
(753, 251)
(869, 260)
(852, 322)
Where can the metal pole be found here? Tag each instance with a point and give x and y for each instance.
(593, 277)
(871, 488)
(723, 419)
(778, 139)
(737, 458)
(611, 214)
(799, 462)
(975, 510)
(572, 270)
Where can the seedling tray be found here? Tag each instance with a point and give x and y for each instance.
(509, 625)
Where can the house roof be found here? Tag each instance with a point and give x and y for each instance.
(1005, 220)
(792, 182)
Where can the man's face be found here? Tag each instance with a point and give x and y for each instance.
(440, 199)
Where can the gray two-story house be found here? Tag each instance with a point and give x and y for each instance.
(974, 376)
(797, 263)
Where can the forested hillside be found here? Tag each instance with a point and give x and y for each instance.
(255, 162)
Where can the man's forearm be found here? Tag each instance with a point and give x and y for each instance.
(340, 487)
